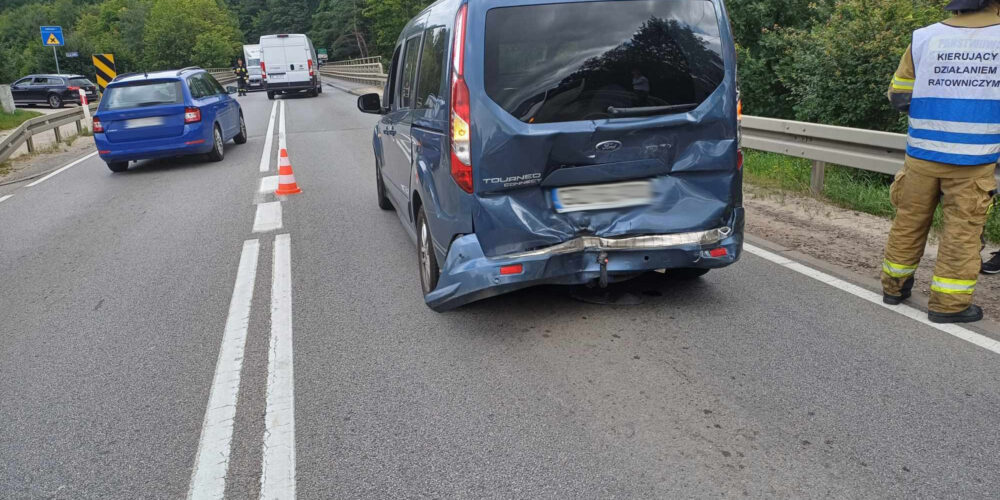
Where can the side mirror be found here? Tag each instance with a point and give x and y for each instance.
(230, 89)
(370, 103)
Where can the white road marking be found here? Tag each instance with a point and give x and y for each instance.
(268, 217)
(875, 298)
(265, 158)
(281, 134)
(53, 174)
(5, 198)
(268, 184)
(277, 478)
(208, 480)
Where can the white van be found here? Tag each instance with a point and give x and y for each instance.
(288, 64)
(251, 56)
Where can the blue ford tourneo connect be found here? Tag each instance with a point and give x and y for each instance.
(165, 114)
(525, 142)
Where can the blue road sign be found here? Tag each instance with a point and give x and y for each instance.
(52, 36)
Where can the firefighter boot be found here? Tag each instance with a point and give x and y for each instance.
(971, 314)
(904, 293)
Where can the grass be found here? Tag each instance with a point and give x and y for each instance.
(9, 121)
(850, 188)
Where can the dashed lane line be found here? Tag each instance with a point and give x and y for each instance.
(5, 198)
(277, 480)
(268, 217)
(265, 157)
(57, 172)
(208, 479)
(875, 298)
(282, 143)
(268, 184)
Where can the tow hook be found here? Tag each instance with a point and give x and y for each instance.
(602, 259)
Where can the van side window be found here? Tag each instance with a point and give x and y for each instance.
(389, 92)
(411, 51)
(430, 80)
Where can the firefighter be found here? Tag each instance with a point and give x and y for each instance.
(949, 83)
(242, 75)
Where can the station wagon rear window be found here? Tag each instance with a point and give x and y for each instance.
(143, 94)
(573, 61)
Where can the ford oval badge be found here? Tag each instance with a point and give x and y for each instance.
(608, 146)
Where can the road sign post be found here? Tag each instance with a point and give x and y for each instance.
(52, 36)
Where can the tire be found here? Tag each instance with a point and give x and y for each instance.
(685, 273)
(426, 260)
(270, 95)
(319, 90)
(311, 93)
(118, 166)
(55, 102)
(241, 138)
(218, 151)
(383, 200)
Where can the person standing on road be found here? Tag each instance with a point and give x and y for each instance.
(242, 75)
(949, 82)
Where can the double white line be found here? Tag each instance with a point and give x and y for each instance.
(208, 479)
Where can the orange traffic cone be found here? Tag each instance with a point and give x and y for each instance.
(286, 180)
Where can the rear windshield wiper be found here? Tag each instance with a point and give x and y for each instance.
(651, 110)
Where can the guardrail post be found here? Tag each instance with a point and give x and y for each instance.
(58, 134)
(817, 176)
(79, 128)
(30, 142)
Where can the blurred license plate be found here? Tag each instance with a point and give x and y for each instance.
(279, 77)
(152, 121)
(602, 196)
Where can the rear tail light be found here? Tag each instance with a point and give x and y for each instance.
(311, 72)
(97, 127)
(461, 123)
(192, 115)
(739, 159)
(263, 70)
(74, 89)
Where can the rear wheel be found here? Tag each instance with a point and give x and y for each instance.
(270, 94)
(685, 273)
(218, 146)
(55, 101)
(118, 166)
(429, 271)
(311, 93)
(241, 138)
(383, 201)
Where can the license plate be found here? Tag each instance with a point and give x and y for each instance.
(151, 121)
(280, 77)
(602, 196)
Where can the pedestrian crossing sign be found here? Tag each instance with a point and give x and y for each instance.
(52, 36)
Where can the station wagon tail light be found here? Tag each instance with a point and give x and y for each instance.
(97, 127)
(74, 89)
(192, 115)
(461, 130)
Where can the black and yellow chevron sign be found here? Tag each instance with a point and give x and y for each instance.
(105, 66)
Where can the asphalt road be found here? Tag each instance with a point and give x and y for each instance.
(117, 293)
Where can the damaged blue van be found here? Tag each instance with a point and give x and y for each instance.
(526, 142)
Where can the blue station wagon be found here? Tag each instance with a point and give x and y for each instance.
(524, 142)
(166, 114)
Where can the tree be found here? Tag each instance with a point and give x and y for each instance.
(181, 33)
(387, 18)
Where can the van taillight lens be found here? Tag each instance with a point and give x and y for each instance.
(97, 127)
(192, 115)
(461, 123)
(263, 70)
(311, 72)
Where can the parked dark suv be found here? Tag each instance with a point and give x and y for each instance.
(54, 90)
(525, 142)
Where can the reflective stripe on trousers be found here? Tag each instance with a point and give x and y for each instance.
(897, 270)
(949, 285)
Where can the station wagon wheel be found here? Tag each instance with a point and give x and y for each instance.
(241, 138)
(429, 271)
(55, 101)
(218, 149)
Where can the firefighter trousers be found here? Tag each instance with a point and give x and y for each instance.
(964, 204)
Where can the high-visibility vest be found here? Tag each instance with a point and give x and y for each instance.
(955, 105)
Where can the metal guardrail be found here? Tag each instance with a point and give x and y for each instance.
(367, 71)
(25, 132)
